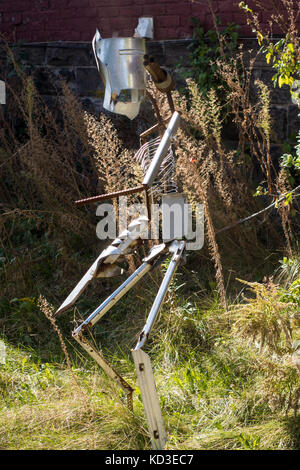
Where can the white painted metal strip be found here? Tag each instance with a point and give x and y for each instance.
(150, 399)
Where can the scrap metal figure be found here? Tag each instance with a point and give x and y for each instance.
(122, 63)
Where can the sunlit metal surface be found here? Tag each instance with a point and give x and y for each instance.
(150, 399)
(120, 64)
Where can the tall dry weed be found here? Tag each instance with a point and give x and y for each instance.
(51, 154)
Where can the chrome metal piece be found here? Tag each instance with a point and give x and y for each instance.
(174, 216)
(144, 28)
(114, 297)
(162, 150)
(155, 251)
(142, 361)
(150, 399)
(108, 256)
(120, 64)
(2, 92)
(176, 248)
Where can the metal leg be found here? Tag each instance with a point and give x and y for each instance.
(155, 255)
(150, 399)
(114, 297)
(142, 361)
(96, 315)
(177, 249)
(110, 371)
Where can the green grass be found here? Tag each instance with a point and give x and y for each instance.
(208, 380)
(218, 390)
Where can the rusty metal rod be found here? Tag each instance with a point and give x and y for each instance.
(102, 197)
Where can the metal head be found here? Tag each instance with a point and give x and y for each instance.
(120, 64)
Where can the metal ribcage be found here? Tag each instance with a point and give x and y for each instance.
(165, 181)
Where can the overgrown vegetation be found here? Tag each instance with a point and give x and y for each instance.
(225, 351)
(207, 47)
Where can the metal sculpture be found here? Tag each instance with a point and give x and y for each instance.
(122, 63)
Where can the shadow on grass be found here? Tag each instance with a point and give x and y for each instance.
(292, 426)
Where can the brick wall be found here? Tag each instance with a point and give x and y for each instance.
(75, 63)
(76, 20)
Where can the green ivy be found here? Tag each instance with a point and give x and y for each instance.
(282, 55)
(206, 48)
(291, 163)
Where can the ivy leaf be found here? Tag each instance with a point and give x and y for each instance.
(259, 37)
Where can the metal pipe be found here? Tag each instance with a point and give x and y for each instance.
(114, 297)
(162, 150)
(161, 294)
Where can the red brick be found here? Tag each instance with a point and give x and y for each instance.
(153, 10)
(167, 21)
(55, 26)
(108, 12)
(198, 9)
(38, 26)
(97, 3)
(77, 4)
(6, 28)
(123, 23)
(182, 8)
(239, 19)
(79, 17)
(102, 23)
(23, 36)
(78, 13)
(59, 4)
(41, 5)
(16, 6)
(182, 33)
(12, 18)
(122, 3)
(171, 33)
(225, 18)
(36, 16)
(100, 3)
(160, 33)
(229, 5)
(133, 11)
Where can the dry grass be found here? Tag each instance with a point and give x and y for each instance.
(265, 317)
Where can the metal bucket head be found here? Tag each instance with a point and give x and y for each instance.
(120, 64)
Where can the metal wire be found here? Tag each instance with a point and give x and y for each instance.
(165, 181)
